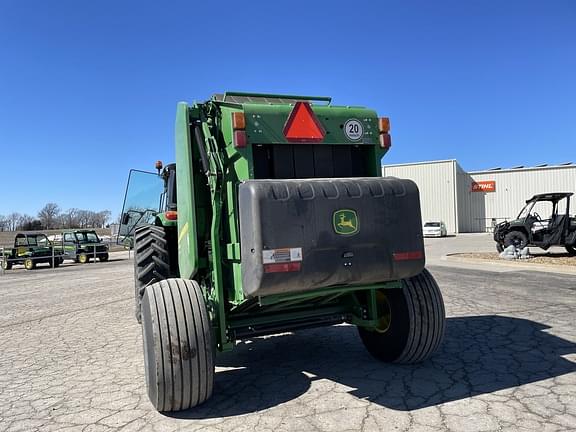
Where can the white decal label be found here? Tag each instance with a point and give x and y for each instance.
(286, 255)
(353, 129)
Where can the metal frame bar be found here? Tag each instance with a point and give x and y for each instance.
(278, 96)
(279, 298)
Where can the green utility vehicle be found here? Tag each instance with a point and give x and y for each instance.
(83, 245)
(274, 218)
(30, 250)
(556, 226)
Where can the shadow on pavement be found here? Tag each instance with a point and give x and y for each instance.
(480, 354)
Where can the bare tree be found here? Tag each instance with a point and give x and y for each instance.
(69, 219)
(12, 219)
(24, 221)
(83, 218)
(101, 218)
(49, 215)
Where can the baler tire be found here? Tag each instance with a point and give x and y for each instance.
(6, 265)
(571, 250)
(499, 247)
(151, 260)
(178, 345)
(104, 257)
(417, 321)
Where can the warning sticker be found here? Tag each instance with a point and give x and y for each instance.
(353, 129)
(285, 255)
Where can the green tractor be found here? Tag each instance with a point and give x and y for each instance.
(30, 250)
(274, 218)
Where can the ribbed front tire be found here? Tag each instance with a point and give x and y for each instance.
(151, 260)
(178, 345)
(416, 322)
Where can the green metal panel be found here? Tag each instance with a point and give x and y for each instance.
(187, 240)
(214, 215)
(265, 123)
(238, 166)
(162, 220)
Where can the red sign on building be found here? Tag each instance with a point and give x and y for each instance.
(484, 186)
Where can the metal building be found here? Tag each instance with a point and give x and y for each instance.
(474, 201)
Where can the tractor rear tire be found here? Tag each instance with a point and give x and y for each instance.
(29, 264)
(516, 238)
(499, 247)
(151, 260)
(178, 345)
(571, 250)
(104, 257)
(416, 322)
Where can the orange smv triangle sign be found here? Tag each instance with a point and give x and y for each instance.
(302, 125)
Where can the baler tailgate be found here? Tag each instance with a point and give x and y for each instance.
(302, 235)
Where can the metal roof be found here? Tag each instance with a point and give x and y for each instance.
(542, 166)
(553, 196)
(490, 170)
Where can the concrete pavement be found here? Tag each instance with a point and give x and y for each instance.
(71, 360)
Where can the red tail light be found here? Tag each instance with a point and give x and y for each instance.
(240, 139)
(282, 267)
(385, 141)
(303, 125)
(408, 256)
(171, 215)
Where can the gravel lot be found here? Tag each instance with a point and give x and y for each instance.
(71, 360)
(559, 259)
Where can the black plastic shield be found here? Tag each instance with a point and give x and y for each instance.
(302, 235)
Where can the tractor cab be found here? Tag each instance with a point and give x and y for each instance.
(150, 198)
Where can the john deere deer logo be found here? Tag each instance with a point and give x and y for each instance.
(345, 222)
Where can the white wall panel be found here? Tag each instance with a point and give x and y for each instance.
(514, 187)
(446, 191)
(436, 182)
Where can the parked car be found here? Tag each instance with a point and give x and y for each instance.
(30, 250)
(544, 221)
(83, 245)
(434, 229)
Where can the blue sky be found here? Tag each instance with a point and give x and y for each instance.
(88, 90)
